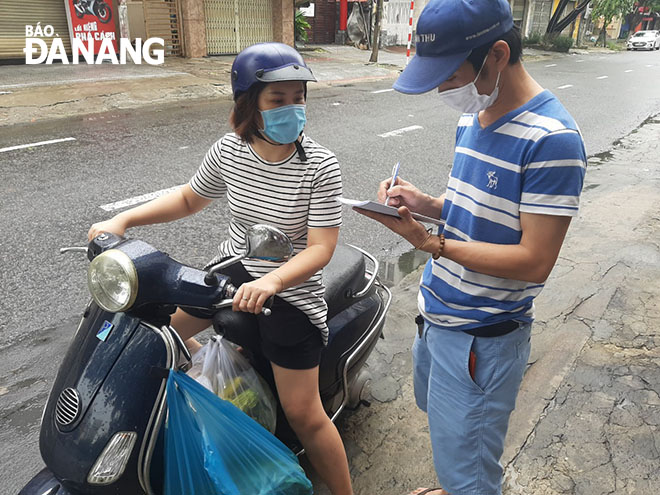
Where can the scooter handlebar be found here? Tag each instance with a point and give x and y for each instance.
(226, 303)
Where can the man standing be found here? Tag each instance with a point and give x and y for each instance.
(515, 183)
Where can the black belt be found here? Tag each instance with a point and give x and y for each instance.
(494, 330)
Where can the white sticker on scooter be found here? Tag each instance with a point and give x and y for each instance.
(105, 331)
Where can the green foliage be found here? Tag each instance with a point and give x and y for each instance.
(615, 46)
(534, 38)
(301, 26)
(560, 43)
(549, 41)
(609, 9)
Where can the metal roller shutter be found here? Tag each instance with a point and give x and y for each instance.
(161, 20)
(232, 25)
(14, 15)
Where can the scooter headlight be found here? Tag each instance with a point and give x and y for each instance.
(111, 464)
(112, 280)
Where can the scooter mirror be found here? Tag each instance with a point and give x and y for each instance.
(267, 243)
(262, 242)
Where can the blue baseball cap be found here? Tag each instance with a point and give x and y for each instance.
(447, 31)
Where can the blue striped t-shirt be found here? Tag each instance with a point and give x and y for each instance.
(531, 160)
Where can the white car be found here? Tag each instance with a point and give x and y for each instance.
(644, 40)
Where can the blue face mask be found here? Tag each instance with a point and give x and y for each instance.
(284, 124)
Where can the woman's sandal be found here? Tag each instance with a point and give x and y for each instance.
(425, 491)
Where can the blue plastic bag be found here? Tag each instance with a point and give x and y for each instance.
(213, 448)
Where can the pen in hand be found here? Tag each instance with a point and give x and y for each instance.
(395, 173)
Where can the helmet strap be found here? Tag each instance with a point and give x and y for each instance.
(301, 152)
(299, 149)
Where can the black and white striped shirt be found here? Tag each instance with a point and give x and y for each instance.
(291, 195)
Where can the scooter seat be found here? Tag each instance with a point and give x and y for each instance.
(343, 277)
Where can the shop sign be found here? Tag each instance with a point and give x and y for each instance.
(93, 39)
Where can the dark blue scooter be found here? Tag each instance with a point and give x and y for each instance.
(101, 429)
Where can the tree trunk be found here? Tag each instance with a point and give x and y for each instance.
(376, 40)
(606, 22)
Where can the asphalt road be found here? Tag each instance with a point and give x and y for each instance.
(51, 194)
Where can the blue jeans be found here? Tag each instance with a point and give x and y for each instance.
(468, 418)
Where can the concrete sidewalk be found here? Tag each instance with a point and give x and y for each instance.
(589, 408)
(32, 93)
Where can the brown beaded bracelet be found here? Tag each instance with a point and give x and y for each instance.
(437, 253)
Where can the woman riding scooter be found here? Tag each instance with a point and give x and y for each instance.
(271, 173)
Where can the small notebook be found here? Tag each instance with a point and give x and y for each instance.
(387, 210)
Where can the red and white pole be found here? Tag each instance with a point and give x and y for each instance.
(410, 30)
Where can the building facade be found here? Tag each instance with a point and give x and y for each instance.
(215, 27)
(191, 28)
(529, 15)
(322, 17)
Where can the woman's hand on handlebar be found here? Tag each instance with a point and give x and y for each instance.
(252, 296)
(114, 226)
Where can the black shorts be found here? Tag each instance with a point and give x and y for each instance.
(286, 337)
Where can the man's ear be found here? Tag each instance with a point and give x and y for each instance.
(501, 54)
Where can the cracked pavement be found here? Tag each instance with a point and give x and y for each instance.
(588, 412)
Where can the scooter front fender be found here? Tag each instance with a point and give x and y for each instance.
(45, 483)
(108, 372)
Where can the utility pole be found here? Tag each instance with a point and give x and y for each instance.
(374, 45)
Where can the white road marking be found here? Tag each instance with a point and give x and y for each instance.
(40, 143)
(649, 66)
(401, 131)
(602, 77)
(578, 61)
(629, 70)
(184, 147)
(551, 65)
(565, 86)
(138, 199)
(5, 92)
(336, 104)
(383, 91)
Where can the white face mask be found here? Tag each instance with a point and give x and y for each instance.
(467, 99)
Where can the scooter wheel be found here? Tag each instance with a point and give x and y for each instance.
(359, 390)
(103, 13)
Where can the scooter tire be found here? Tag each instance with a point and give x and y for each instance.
(103, 8)
(359, 390)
